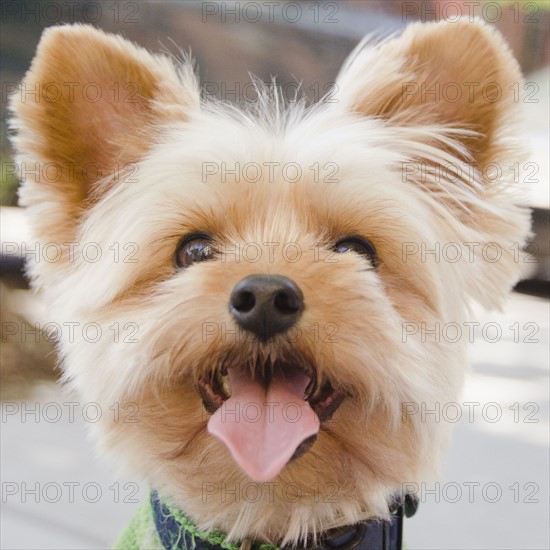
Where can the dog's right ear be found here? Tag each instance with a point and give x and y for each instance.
(90, 105)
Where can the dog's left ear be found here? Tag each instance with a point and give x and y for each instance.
(448, 95)
(460, 75)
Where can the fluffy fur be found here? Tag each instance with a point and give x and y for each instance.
(374, 129)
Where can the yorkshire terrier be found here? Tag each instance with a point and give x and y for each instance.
(252, 275)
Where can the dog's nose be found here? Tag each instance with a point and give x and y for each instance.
(266, 304)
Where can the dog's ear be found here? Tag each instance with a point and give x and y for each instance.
(459, 75)
(446, 97)
(91, 105)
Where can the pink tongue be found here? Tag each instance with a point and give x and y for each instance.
(262, 428)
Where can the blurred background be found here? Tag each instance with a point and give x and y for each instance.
(494, 489)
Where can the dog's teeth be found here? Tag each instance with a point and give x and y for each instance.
(310, 389)
(226, 387)
(222, 383)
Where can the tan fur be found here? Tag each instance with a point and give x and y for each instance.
(473, 59)
(84, 138)
(366, 452)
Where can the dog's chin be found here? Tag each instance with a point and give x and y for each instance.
(268, 413)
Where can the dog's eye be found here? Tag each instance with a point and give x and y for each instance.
(358, 245)
(194, 248)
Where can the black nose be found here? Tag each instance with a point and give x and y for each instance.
(266, 304)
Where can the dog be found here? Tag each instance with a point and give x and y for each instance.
(261, 283)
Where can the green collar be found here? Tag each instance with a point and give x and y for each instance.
(160, 525)
(176, 530)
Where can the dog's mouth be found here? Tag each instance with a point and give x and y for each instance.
(267, 416)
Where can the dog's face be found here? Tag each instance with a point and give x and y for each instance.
(252, 290)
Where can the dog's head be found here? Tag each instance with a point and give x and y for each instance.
(253, 291)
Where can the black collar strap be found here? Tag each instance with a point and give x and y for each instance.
(177, 532)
